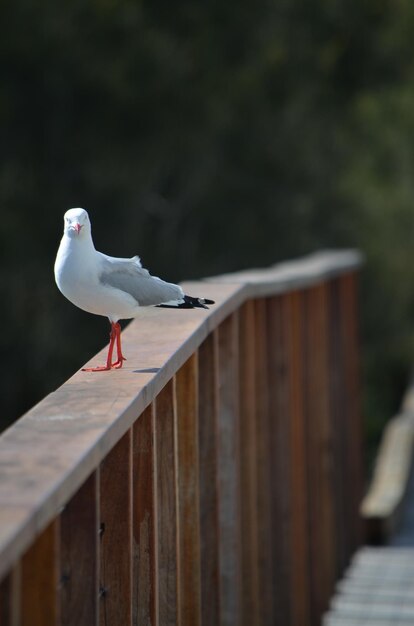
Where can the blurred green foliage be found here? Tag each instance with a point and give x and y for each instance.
(206, 137)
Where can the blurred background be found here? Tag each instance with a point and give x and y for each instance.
(205, 137)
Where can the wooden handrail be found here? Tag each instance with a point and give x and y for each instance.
(383, 504)
(140, 458)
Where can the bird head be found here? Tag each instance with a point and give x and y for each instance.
(76, 223)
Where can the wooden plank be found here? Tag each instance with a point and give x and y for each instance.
(88, 415)
(166, 507)
(293, 275)
(39, 580)
(383, 504)
(319, 452)
(350, 338)
(115, 529)
(207, 375)
(188, 513)
(49, 453)
(299, 540)
(339, 408)
(10, 598)
(5, 601)
(144, 520)
(79, 557)
(279, 454)
(267, 567)
(228, 471)
(250, 582)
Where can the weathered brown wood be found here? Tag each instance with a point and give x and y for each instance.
(207, 395)
(10, 598)
(250, 583)
(294, 275)
(88, 415)
(166, 507)
(319, 453)
(279, 454)
(85, 418)
(144, 520)
(228, 471)
(5, 601)
(115, 528)
(260, 476)
(39, 580)
(350, 338)
(79, 557)
(264, 478)
(299, 539)
(339, 407)
(188, 513)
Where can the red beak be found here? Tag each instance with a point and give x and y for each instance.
(78, 227)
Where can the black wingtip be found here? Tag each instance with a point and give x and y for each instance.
(188, 302)
(198, 302)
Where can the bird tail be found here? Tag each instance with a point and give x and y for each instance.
(188, 302)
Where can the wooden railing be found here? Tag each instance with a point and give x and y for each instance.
(214, 480)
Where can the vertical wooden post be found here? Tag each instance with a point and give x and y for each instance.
(279, 454)
(350, 338)
(339, 401)
(267, 567)
(320, 451)
(250, 583)
(116, 535)
(299, 539)
(79, 557)
(228, 471)
(39, 580)
(6, 601)
(208, 450)
(144, 521)
(166, 507)
(188, 514)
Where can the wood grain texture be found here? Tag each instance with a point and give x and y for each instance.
(319, 452)
(208, 450)
(267, 567)
(299, 538)
(10, 598)
(228, 472)
(39, 580)
(5, 601)
(339, 408)
(250, 581)
(49, 453)
(279, 454)
(166, 507)
(296, 274)
(188, 498)
(144, 520)
(115, 526)
(350, 338)
(79, 585)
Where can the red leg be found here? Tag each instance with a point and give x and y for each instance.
(108, 366)
(121, 358)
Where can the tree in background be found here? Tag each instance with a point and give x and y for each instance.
(206, 137)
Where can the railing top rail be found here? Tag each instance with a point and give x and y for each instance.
(49, 452)
(294, 274)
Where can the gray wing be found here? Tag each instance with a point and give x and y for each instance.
(128, 275)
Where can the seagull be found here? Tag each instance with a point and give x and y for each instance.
(113, 287)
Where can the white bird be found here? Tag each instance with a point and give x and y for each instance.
(109, 286)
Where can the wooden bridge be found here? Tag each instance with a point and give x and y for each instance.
(214, 480)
